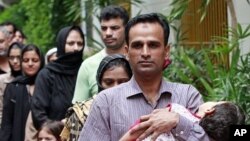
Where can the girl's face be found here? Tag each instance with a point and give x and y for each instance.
(114, 76)
(14, 59)
(31, 63)
(45, 136)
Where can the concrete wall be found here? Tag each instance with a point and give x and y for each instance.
(242, 9)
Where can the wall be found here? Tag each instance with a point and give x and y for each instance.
(242, 9)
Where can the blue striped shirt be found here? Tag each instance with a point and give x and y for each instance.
(114, 110)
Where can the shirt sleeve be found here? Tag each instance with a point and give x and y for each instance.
(186, 129)
(41, 99)
(82, 88)
(97, 126)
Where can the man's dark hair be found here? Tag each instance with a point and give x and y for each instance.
(148, 18)
(7, 23)
(112, 12)
(217, 125)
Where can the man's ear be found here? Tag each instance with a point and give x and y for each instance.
(167, 51)
(126, 52)
(167, 60)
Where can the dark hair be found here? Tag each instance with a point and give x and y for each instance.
(52, 127)
(115, 60)
(31, 47)
(217, 125)
(112, 11)
(148, 18)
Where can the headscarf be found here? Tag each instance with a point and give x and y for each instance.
(18, 46)
(49, 53)
(66, 63)
(24, 79)
(104, 63)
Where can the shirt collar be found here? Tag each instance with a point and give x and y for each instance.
(165, 88)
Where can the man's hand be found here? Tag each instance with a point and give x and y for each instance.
(158, 122)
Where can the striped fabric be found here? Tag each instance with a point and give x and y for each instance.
(114, 110)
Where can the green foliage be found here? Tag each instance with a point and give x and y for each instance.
(14, 14)
(38, 27)
(218, 71)
(42, 19)
(208, 71)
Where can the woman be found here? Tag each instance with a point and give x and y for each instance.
(113, 70)
(18, 94)
(55, 84)
(19, 37)
(14, 55)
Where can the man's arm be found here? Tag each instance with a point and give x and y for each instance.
(97, 126)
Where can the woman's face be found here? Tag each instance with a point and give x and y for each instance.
(45, 136)
(18, 37)
(114, 76)
(31, 63)
(14, 59)
(74, 42)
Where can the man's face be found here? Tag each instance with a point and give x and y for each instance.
(146, 49)
(3, 44)
(112, 32)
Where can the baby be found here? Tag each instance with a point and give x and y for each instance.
(214, 117)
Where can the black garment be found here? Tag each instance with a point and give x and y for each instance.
(2, 72)
(16, 106)
(55, 84)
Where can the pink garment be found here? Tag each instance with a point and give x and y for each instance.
(173, 107)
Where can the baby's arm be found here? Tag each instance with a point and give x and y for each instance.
(128, 136)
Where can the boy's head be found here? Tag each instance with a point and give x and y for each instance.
(217, 123)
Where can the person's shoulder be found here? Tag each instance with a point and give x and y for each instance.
(6, 78)
(46, 73)
(96, 57)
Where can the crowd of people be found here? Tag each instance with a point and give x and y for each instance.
(121, 90)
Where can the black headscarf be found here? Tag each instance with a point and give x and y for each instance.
(66, 63)
(18, 46)
(24, 79)
(103, 67)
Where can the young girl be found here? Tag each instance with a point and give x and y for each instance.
(112, 71)
(14, 55)
(50, 131)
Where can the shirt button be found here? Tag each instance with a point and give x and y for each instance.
(176, 134)
(181, 132)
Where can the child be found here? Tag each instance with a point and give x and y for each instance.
(50, 130)
(214, 117)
